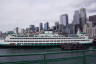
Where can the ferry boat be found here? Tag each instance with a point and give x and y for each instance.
(47, 38)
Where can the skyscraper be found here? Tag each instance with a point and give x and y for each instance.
(79, 19)
(82, 17)
(64, 19)
(17, 30)
(76, 18)
(76, 21)
(46, 26)
(41, 26)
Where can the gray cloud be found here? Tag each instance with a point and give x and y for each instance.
(83, 3)
(25, 12)
(91, 11)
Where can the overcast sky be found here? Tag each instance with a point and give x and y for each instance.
(22, 13)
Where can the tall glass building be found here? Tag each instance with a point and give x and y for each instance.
(46, 26)
(76, 18)
(64, 19)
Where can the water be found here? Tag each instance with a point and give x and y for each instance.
(39, 57)
(27, 50)
(8, 51)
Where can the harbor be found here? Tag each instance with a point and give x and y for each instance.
(47, 32)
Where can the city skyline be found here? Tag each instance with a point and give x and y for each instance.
(22, 13)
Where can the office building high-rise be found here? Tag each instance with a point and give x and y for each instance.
(17, 30)
(79, 19)
(46, 26)
(70, 29)
(89, 29)
(64, 19)
(93, 19)
(76, 21)
(76, 18)
(32, 28)
(82, 17)
(41, 26)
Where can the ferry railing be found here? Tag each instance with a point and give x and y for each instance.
(63, 57)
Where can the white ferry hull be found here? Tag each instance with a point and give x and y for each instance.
(44, 43)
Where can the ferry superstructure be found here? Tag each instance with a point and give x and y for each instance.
(46, 38)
